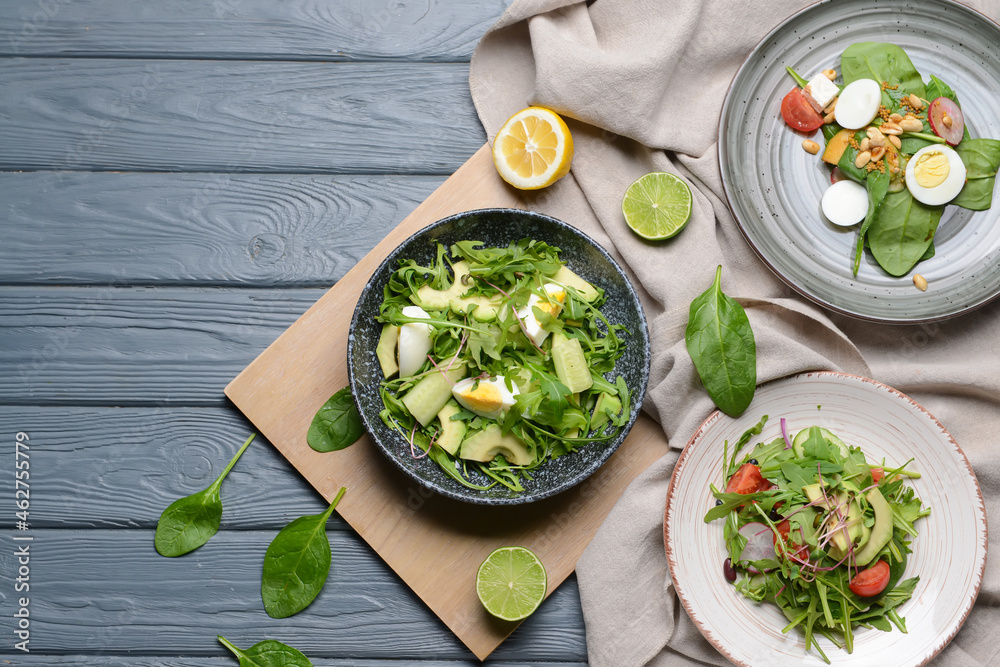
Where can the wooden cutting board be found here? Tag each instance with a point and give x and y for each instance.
(435, 544)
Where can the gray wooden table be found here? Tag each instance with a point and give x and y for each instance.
(179, 181)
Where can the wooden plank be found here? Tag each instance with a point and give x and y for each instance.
(135, 346)
(247, 29)
(196, 229)
(120, 467)
(281, 390)
(108, 593)
(228, 116)
(190, 661)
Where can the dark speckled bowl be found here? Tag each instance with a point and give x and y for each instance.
(498, 227)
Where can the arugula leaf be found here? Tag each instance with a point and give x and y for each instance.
(982, 161)
(902, 232)
(268, 653)
(721, 344)
(336, 425)
(191, 521)
(296, 564)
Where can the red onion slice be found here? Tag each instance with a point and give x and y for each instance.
(760, 543)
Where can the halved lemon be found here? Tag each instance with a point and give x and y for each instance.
(533, 149)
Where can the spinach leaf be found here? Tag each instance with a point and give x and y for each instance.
(190, 522)
(929, 252)
(721, 344)
(881, 62)
(902, 232)
(847, 158)
(877, 185)
(982, 160)
(296, 564)
(268, 653)
(337, 424)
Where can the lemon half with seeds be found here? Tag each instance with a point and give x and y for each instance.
(533, 149)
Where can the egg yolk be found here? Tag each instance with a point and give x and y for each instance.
(552, 307)
(931, 170)
(484, 398)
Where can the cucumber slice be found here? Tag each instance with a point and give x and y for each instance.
(435, 299)
(386, 350)
(428, 396)
(803, 435)
(571, 364)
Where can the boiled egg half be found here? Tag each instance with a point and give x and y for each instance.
(845, 203)
(935, 175)
(553, 305)
(414, 342)
(858, 103)
(487, 397)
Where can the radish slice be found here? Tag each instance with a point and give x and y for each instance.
(940, 113)
(836, 175)
(760, 543)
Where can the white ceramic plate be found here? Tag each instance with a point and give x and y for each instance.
(774, 187)
(949, 553)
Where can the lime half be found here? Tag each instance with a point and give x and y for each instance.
(511, 583)
(657, 206)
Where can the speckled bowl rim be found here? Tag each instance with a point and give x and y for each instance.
(717, 415)
(638, 393)
(722, 152)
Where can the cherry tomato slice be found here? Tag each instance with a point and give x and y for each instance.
(871, 581)
(799, 552)
(747, 480)
(877, 475)
(798, 113)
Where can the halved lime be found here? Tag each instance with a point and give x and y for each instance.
(511, 583)
(657, 205)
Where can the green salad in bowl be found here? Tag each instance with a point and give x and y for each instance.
(498, 356)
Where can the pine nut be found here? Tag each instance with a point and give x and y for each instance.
(830, 74)
(865, 144)
(891, 128)
(908, 125)
(909, 116)
(831, 106)
(946, 119)
(920, 282)
(895, 117)
(810, 146)
(827, 119)
(875, 137)
(877, 153)
(894, 140)
(863, 158)
(916, 102)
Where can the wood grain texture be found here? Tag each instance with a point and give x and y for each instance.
(228, 116)
(190, 661)
(282, 389)
(196, 229)
(110, 593)
(120, 467)
(413, 30)
(135, 346)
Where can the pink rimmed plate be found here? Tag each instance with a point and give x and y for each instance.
(949, 554)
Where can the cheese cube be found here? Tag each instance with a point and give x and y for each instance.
(819, 92)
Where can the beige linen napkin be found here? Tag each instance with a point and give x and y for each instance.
(642, 84)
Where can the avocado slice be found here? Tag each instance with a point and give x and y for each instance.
(566, 277)
(486, 444)
(482, 308)
(386, 350)
(606, 407)
(881, 530)
(452, 432)
(435, 299)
